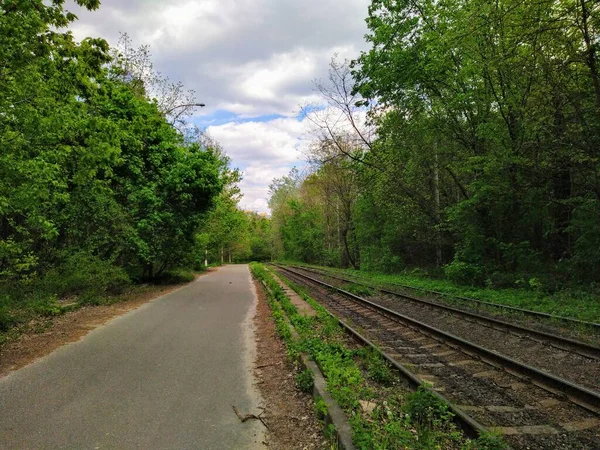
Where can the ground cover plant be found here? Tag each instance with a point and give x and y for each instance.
(356, 377)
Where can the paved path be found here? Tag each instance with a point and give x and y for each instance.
(161, 377)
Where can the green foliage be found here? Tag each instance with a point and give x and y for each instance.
(464, 273)
(425, 409)
(97, 187)
(377, 368)
(488, 441)
(358, 289)
(85, 276)
(321, 408)
(304, 381)
(176, 276)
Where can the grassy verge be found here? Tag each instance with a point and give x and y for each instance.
(27, 307)
(571, 303)
(396, 418)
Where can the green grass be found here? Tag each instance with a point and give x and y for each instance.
(401, 419)
(572, 303)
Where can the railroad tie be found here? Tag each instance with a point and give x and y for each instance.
(486, 374)
(581, 425)
(448, 353)
(464, 362)
(525, 429)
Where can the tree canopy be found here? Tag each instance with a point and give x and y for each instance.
(484, 156)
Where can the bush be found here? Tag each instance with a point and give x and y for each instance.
(488, 441)
(464, 273)
(86, 276)
(304, 381)
(425, 409)
(377, 368)
(7, 319)
(500, 280)
(176, 276)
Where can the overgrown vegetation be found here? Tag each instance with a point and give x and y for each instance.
(399, 419)
(464, 139)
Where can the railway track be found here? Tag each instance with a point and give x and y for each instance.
(568, 321)
(531, 408)
(576, 361)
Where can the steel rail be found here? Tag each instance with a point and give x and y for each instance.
(469, 425)
(561, 342)
(529, 312)
(579, 395)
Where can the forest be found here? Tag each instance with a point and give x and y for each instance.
(464, 141)
(103, 180)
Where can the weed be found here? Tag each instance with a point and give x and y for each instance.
(425, 409)
(176, 276)
(377, 367)
(304, 381)
(321, 408)
(358, 289)
(488, 441)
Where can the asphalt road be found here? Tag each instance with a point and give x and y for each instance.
(164, 376)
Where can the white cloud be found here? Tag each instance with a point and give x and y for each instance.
(277, 142)
(254, 57)
(249, 57)
(255, 185)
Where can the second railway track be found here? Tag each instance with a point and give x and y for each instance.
(573, 360)
(531, 409)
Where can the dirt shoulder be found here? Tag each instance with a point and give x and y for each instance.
(43, 336)
(288, 412)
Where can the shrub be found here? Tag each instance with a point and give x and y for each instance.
(499, 280)
(86, 276)
(425, 409)
(176, 276)
(464, 273)
(304, 381)
(358, 289)
(489, 441)
(7, 319)
(377, 367)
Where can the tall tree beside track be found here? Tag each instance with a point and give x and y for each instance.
(485, 157)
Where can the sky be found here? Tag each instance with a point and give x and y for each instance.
(252, 62)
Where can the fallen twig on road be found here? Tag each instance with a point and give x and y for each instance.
(246, 417)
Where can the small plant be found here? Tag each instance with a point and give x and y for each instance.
(321, 408)
(304, 381)
(377, 368)
(464, 273)
(358, 289)
(426, 410)
(488, 441)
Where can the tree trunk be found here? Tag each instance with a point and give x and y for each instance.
(436, 196)
(590, 51)
(150, 270)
